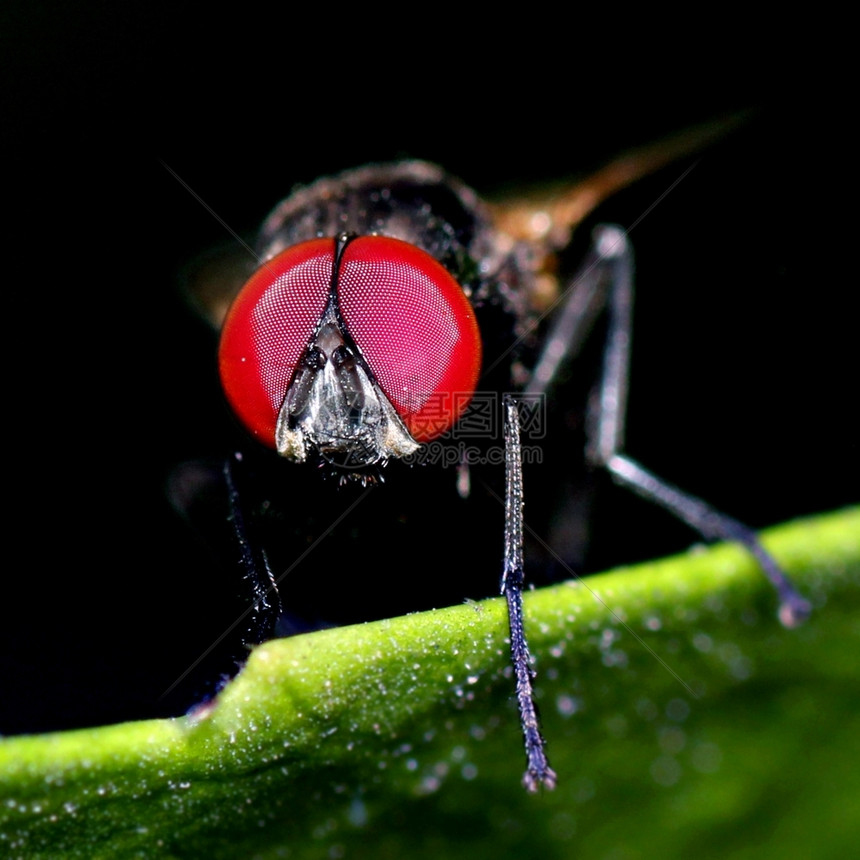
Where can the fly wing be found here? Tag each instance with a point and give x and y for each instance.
(545, 218)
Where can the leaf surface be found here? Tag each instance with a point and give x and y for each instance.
(682, 719)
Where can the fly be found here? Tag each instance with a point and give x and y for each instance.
(389, 307)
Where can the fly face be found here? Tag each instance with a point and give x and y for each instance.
(355, 348)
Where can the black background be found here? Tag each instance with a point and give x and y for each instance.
(744, 375)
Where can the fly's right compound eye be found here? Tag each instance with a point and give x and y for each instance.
(395, 311)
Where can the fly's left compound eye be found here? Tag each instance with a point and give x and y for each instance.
(408, 318)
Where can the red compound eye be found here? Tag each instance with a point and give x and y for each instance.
(407, 315)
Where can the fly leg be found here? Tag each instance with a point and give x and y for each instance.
(265, 608)
(538, 772)
(611, 262)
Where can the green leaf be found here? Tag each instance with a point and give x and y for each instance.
(682, 720)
